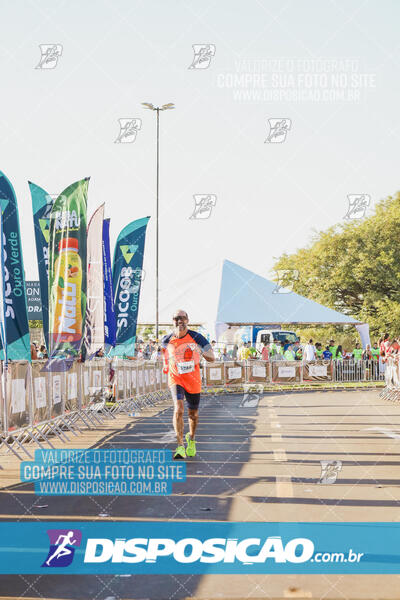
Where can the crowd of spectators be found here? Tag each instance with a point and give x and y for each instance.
(150, 350)
(286, 350)
(38, 351)
(307, 352)
(388, 347)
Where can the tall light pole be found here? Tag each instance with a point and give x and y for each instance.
(150, 106)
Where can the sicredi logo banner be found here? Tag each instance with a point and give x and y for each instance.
(3, 204)
(45, 228)
(198, 547)
(128, 252)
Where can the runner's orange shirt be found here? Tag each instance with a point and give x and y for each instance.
(182, 357)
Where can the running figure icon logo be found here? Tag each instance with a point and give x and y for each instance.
(50, 53)
(128, 129)
(251, 395)
(62, 547)
(285, 280)
(203, 53)
(278, 129)
(330, 469)
(358, 204)
(203, 205)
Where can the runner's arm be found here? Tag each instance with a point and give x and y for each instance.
(165, 357)
(209, 355)
(204, 346)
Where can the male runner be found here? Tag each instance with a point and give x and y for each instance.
(182, 351)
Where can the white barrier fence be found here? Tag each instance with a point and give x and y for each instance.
(392, 380)
(36, 405)
(231, 373)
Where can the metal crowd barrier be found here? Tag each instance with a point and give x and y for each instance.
(257, 372)
(37, 406)
(361, 370)
(392, 380)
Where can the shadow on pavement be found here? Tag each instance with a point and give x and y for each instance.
(223, 442)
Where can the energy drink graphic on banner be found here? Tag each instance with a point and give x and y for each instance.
(127, 276)
(16, 315)
(67, 270)
(109, 312)
(94, 323)
(42, 204)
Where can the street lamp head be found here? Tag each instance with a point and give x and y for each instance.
(150, 106)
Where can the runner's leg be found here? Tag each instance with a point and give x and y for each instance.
(193, 402)
(193, 414)
(177, 396)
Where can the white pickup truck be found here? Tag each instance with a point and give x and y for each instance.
(272, 335)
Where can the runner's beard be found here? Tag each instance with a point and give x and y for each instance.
(179, 329)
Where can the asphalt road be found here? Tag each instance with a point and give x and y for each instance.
(258, 460)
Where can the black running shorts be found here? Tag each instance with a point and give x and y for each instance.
(179, 393)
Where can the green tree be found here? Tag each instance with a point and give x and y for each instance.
(354, 268)
(148, 332)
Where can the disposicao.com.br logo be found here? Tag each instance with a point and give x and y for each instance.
(188, 550)
(192, 550)
(196, 547)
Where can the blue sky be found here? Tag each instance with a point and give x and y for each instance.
(59, 125)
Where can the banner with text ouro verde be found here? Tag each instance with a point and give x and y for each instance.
(67, 270)
(42, 204)
(109, 311)
(16, 315)
(3, 341)
(127, 277)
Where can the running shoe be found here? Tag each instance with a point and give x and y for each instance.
(191, 446)
(180, 453)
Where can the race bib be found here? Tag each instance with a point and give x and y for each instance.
(185, 367)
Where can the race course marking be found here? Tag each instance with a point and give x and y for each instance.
(284, 487)
(387, 432)
(280, 454)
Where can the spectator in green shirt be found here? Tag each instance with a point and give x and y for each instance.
(339, 353)
(333, 348)
(289, 354)
(253, 351)
(357, 352)
(318, 350)
(375, 351)
(299, 353)
(273, 349)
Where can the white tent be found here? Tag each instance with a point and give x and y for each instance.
(197, 295)
(227, 293)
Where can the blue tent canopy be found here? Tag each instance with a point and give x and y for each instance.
(247, 298)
